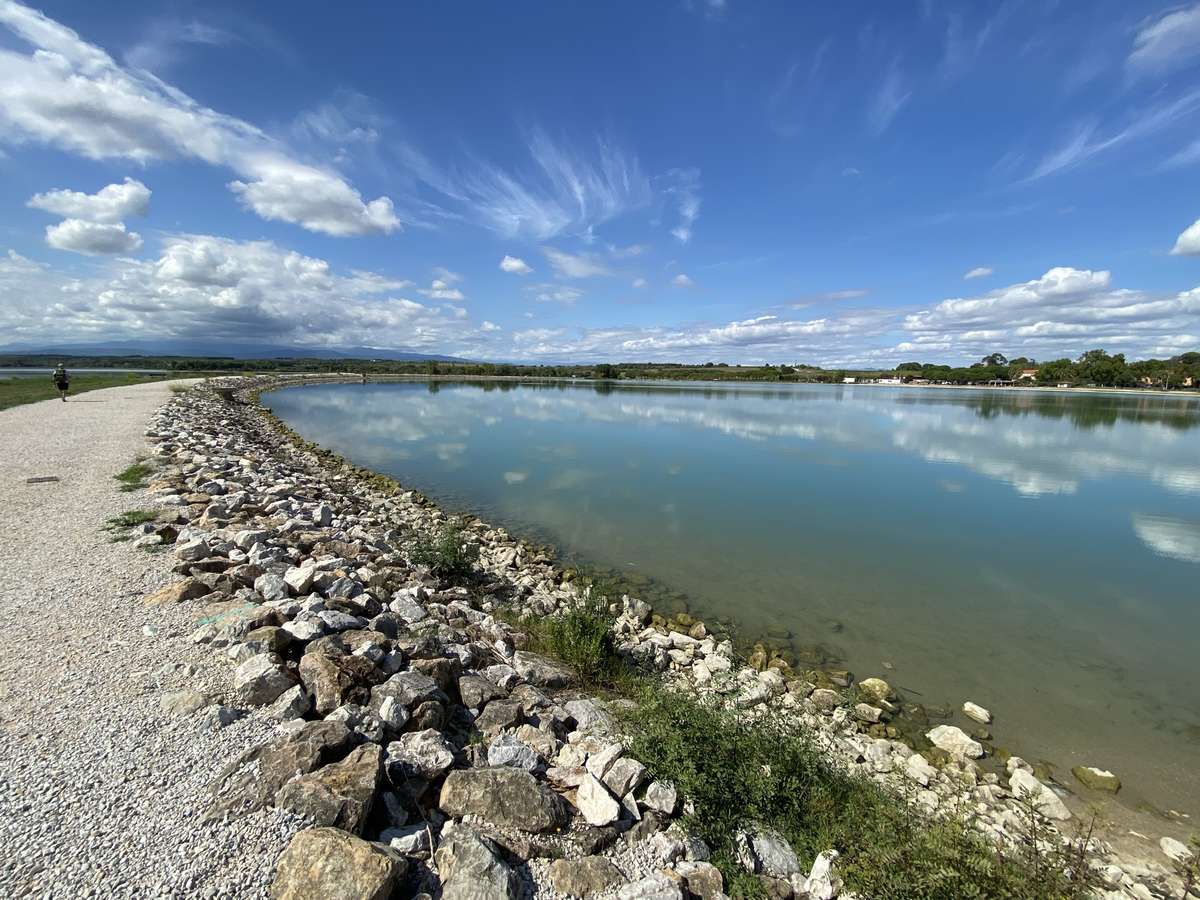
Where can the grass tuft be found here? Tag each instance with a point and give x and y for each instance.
(134, 477)
(448, 553)
(132, 518)
(582, 638)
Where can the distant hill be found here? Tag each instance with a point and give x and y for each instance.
(222, 351)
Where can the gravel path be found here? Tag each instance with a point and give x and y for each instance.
(101, 792)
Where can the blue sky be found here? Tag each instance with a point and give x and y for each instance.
(691, 180)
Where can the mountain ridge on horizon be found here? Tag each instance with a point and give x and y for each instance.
(217, 350)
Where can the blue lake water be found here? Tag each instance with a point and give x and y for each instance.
(1035, 552)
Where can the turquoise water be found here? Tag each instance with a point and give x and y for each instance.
(1035, 552)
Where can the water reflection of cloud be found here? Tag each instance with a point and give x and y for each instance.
(1173, 538)
(569, 479)
(1037, 445)
(449, 452)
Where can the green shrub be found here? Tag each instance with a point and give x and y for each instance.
(582, 638)
(449, 553)
(735, 772)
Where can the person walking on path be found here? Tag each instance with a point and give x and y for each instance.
(62, 381)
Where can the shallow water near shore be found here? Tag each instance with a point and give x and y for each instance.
(1035, 552)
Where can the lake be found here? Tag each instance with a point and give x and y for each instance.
(1035, 552)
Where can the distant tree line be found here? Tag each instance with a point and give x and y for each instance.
(1095, 367)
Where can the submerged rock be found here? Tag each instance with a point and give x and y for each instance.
(955, 741)
(1097, 779)
(977, 712)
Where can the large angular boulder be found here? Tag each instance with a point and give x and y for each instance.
(341, 794)
(955, 741)
(508, 798)
(261, 679)
(335, 680)
(476, 691)
(1026, 787)
(420, 754)
(409, 689)
(541, 670)
(584, 877)
(329, 864)
(764, 851)
(471, 868)
(252, 780)
(653, 887)
(597, 805)
(271, 586)
(178, 592)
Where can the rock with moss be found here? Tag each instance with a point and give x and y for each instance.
(1097, 779)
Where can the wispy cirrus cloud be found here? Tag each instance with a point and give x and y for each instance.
(575, 265)
(563, 294)
(977, 272)
(1166, 42)
(165, 40)
(801, 93)
(72, 95)
(1087, 139)
(890, 97)
(683, 186)
(563, 189)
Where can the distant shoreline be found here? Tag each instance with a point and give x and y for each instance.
(534, 379)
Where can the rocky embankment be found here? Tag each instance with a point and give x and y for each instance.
(427, 748)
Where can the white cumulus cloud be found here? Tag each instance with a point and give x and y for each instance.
(217, 289)
(72, 95)
(1188, 243)
(978, 272)
(110, 204)
(515, 266)
(92, 238)
(682, 280)
(441, 289)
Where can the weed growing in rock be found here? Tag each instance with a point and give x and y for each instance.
(133, 477)
(582, 638)
(132, 518)
(737, 772)
(449, 553)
